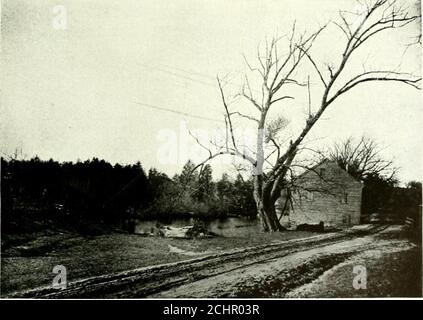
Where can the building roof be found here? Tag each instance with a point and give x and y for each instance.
(326, 160)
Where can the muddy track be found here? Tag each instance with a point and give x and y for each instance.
(146, 281)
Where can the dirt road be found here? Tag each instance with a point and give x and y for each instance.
(282, 269)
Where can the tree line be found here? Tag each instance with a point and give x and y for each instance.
(95, 190)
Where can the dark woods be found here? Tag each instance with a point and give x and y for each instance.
(92, 195)
(387, 198)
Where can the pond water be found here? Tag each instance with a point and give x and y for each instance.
(231, 226)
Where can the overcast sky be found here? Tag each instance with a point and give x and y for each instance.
(74, 93)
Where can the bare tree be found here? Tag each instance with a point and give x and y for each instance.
(362, 159)
(277, 73)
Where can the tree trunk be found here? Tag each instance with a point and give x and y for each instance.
(265, 208)
(270, 212)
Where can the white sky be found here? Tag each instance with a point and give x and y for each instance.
(70, 94)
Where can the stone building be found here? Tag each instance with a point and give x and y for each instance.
(325, 193)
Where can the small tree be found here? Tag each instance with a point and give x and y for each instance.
(205, 188)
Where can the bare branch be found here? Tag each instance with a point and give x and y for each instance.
(383, 76)
(201, 145)
(280, 99)
(244, 116)
(315, 67)
(228, 116)
(249, 66)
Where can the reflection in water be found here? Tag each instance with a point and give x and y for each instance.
(228, 227)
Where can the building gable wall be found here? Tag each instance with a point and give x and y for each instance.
(328, 194)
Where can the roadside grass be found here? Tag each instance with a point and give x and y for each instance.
(30, 264)
(389, 274)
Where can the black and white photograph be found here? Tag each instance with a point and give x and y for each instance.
(211, 149)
